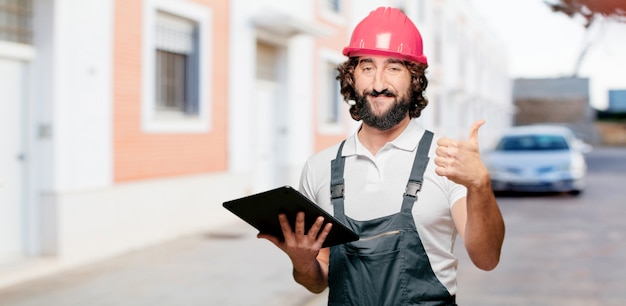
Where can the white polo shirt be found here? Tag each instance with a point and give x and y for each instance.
(374, 186)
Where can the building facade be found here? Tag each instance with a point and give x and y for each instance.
(128, 123)
(562, 101)
(617, 100)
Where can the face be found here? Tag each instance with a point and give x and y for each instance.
(383, 87)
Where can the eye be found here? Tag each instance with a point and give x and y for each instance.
(395, 68)
(367, 69)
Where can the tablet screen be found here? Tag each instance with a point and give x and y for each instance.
(261, 211)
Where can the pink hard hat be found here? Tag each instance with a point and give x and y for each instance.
(387, 31)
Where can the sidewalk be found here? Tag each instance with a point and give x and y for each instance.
(226, 267)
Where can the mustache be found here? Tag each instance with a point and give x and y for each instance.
(385, 92)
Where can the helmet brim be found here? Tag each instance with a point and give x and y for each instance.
(356, 52)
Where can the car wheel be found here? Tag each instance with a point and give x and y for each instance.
(575, 192)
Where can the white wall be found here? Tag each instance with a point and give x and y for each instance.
(241, 80)
(14, 62)
(471, 81)
(82, 98)
(102, 222)
(296, 86)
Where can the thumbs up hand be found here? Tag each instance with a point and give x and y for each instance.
(460, 161)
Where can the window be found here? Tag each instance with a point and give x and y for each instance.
(334, 5)
(331, 10)
(333, 97)
(176, 65)
(421, 11)
(401, 5)
(533, 143)
(16, 21)
(176, 61)
(332, 110)
(437, 40)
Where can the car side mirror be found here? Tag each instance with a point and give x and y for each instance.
(582, 147)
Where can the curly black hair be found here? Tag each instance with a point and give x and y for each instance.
(419, 82)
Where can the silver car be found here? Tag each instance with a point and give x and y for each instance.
(538, 158)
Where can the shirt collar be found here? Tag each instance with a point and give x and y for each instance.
(407, 140)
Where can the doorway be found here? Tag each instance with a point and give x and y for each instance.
(12, 232)
(270, 127)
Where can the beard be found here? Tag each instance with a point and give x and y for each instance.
(388, 119)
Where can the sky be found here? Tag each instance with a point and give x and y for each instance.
(544, 44)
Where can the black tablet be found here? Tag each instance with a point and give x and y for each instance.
(261, 211)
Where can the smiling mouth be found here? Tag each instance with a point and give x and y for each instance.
(380, 105)
(385, 93)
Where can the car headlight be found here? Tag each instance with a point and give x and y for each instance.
(565, 167)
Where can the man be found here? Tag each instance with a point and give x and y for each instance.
(383, 182)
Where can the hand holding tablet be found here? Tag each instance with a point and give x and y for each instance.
(261, 210)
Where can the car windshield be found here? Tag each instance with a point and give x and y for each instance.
(532, 143)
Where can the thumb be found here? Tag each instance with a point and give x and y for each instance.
(473, 136)
(271, 238)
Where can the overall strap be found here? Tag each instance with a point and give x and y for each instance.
(414, 185)
(337, 183)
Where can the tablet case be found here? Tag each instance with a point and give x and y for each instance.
(261, 211)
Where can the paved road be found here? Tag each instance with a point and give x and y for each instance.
(231, 267)
(559, 250)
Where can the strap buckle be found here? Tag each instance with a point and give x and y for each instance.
(336, 191)
(412, 188)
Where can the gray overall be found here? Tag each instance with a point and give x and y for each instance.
(388, 265)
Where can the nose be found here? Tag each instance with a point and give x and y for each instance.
(380, 83)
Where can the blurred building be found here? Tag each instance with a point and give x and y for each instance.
(617, 100)
(611, 122)
(563, 101)
(129, 122)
